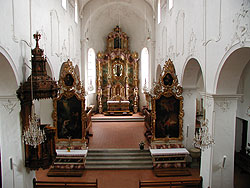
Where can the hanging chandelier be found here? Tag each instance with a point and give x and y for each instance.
(33, 135)
(203, 139)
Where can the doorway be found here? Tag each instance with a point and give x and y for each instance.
(241, 169)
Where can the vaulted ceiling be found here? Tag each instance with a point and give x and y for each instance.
(99, 17)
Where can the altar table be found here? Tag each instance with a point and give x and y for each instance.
(171, 155)
(118, 105)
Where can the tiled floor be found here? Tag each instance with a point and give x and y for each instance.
(117, 135)
(114, 135)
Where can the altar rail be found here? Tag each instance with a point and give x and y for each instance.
(52, 184)
(194, 182)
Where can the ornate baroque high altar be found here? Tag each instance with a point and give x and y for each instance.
(117, 76)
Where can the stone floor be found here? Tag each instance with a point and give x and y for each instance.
(114, 135)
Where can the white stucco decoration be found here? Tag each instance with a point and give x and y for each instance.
(9, 105)
(241, 26)
(224, 104)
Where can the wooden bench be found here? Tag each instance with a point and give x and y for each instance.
(53, 184)
(194, 182)
(168, 172)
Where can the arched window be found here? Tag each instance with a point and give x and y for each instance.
(91, 74)
(159, 11)
(64, 4)
(170, 4)
(144, 68)
(76, 11)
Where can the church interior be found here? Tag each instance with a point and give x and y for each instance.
(122, 93)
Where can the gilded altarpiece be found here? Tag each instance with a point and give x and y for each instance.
(117, 75)
(69, 107)
(167, 106)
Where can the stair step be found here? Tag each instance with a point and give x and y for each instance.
(118, 154)
(118, 162)
(93, 158)
(118, 159)
(117, 151)
(118, 167)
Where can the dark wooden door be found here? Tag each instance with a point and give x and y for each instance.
(244, 137)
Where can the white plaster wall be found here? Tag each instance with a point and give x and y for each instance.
(46, 109)
(189, 107)
(24, 18)
(212, 31)
(12, 146)
(20, 20)
(224, 137)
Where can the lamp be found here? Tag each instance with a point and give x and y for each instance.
(33, 135)
(202, 138)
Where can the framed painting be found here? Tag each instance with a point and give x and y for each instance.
(69, 118)
(167, 106)
(69, 114)
(167, 120)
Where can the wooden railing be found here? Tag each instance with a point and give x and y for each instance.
(54, 184)
(194, 182)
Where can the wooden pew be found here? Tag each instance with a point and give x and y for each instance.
(57, 184)
(174, 183)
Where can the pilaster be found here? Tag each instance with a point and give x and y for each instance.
(225, 107)
(189, 106)
(12, 146)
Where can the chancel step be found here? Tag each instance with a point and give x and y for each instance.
(118, 159)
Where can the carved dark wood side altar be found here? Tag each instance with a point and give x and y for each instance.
(42, 87)
(117, 76)
(167, 106)
(69, 113)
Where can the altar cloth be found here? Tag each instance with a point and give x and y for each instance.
(72, 153)
(169, 151)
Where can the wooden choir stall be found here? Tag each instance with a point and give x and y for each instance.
(117, 76)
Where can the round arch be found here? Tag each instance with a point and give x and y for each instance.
(192, 76)
(5, 55)
(158, 72)
(230, 69)
(8, 77)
